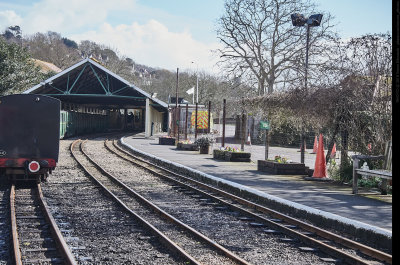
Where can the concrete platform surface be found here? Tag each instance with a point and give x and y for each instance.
(368, 207)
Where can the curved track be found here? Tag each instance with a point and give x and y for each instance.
(182, 239)
(324, 240)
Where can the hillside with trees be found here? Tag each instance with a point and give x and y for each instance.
(52, 47)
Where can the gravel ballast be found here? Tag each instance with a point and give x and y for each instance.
(97, 230)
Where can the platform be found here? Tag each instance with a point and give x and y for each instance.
(367, 208)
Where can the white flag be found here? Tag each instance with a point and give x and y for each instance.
(190, 91)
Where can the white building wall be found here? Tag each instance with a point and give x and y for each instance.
(152, 116)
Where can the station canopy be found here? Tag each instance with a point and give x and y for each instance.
(91, 84)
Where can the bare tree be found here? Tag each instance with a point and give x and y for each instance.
(260, 42)
(50, 47)
(352, 102)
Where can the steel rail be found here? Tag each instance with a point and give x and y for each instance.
(60, 242)
(62, 246)
(17, 251)
(161, 236)
(170, 218)
(371, 252)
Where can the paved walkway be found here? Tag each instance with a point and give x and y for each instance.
(368, 207)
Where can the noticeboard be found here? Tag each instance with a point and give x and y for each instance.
(264, 125)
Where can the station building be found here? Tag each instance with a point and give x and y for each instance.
(87, 87)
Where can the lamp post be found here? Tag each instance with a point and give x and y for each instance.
(298, 20)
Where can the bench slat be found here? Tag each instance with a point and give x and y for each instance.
(385, 173)
(375, 173)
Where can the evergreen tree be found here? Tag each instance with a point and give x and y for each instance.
(17, 70)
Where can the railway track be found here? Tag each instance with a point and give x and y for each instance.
(334, 245)
(35, 235)
(5, 224)
(180, 238)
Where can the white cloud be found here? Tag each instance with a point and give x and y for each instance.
(147, 42)
(154, 45)
(9, 18)
(71, 15)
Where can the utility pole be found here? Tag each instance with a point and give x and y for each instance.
(223, 123)
(266, 144)
(178, 122)
(195, 126)
(176, 101)
(197, 87)
(209, 116)
(242, 127)
(186, 120)
(197, 83)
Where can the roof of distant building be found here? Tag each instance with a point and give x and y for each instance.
(46, 67)
(88, 82)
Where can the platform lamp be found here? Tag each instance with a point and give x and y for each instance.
(298, 20)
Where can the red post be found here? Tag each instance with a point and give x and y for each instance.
(209, 116)
(195, 127)
(186, 120)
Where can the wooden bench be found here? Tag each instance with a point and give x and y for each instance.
(385, 174)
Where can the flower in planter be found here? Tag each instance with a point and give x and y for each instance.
(280, 159)
(185, 142)
(232, 149)
(204, 141)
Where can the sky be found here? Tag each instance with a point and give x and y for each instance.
(167, 34)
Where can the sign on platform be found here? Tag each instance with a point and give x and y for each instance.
(202, 119)
(264, 125)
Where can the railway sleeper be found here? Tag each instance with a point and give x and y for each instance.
(43, 239)
(30, 250)
(41, 261)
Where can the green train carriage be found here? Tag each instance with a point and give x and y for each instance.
(78, 123)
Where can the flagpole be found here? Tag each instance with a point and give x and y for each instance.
(197, 83)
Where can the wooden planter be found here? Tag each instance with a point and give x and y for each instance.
(231, 156)
(187, 147)
(219, 154)
(281, 168)
(166, 140)
(204, 149)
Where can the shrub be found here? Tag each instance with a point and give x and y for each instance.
(204, 141)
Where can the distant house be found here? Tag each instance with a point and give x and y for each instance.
(172, 100)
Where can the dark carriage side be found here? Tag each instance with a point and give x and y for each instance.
(29, 135)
